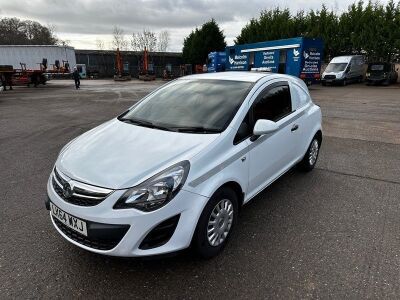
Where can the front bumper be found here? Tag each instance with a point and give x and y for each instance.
(376, 80)
(185, 204)
(332, 81)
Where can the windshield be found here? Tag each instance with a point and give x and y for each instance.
(336, 67)
(378, 67)
(190, 105)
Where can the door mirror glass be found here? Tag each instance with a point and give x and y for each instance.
(263, 126)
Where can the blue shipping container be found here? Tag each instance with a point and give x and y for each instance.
(300, 57)
(216, 62)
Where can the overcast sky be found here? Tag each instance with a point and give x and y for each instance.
(82, 22)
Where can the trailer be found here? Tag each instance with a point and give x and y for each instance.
(300, 57)
(34, 64)
(32, 56)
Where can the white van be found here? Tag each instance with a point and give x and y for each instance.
(343, 70)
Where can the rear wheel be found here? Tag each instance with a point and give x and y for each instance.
(216, 223)
(311, 156)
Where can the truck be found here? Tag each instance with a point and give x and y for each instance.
(216, 62)
(300, 57)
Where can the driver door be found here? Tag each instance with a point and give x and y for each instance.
(271, 154)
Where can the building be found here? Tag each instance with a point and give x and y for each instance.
(102, 62)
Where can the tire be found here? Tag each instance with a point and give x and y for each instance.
(344, 83)
(323, 83)
(204, 243)
(310, 158)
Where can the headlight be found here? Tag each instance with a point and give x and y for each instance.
(157, 190)
(367, 75)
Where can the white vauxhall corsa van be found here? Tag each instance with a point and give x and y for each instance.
(344, 70)
(174, 169)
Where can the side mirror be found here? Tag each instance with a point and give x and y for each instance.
(264, 127)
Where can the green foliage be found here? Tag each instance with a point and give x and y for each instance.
(14, 31)
(372, 29)
(202, 41)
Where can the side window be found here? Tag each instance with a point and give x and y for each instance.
(245, 130)
(274, 105)
(299, 97)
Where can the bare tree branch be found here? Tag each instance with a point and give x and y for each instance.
(119, 39)
(163, 41)
(146, 39)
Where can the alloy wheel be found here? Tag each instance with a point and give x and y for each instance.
(220, 222)
(312, 158)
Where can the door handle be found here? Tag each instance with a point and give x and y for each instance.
(243, 159)
(295, 127)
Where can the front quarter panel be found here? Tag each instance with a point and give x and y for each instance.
(221, 163)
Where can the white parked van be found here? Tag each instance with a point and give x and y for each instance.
(343, 70)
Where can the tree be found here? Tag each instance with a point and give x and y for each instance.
(14, 31)
(145, 39)
(118, 40)
(100, 44)
(371, 29)
(163, 41)
(196, 46)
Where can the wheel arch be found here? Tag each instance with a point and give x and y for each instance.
(237, 188)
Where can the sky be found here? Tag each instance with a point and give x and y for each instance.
(83, 22)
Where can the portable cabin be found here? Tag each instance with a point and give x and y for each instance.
(300, 57)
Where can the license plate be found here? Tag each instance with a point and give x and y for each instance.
(72, 222)
(329, 80)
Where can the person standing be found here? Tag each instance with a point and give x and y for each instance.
(76, 77)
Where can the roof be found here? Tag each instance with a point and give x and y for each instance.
(232, 75)
(344, 58)
(37, 46)
(139, 53)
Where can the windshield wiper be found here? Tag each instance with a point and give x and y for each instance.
(145, 124)
(197, 129)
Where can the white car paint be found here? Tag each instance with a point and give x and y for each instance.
(118, 156)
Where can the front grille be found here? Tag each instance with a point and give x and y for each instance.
(160, 234)
(106, 241)
(330, 77)
(81, 194)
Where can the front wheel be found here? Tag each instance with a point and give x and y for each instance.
(311, 156)
(216, 223)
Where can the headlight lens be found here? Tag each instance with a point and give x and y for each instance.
(157, 190)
